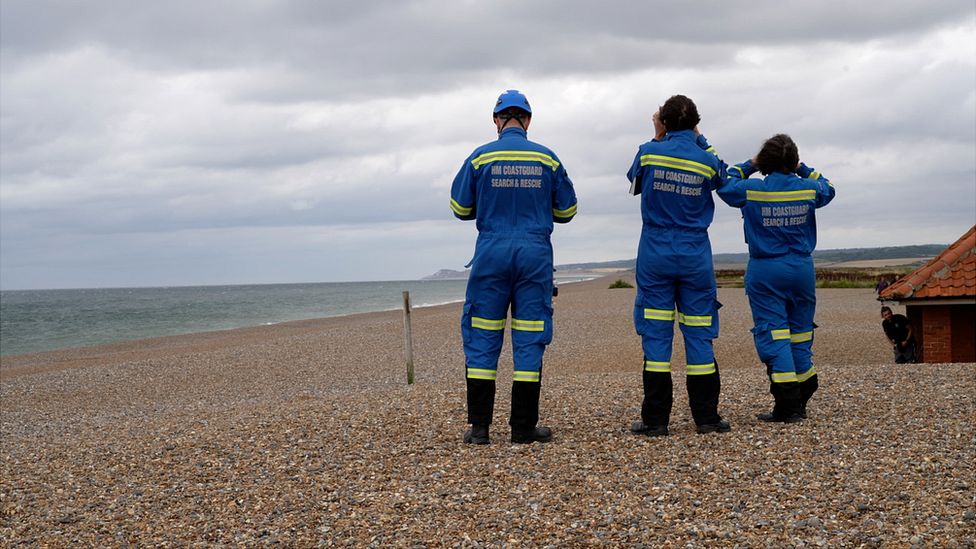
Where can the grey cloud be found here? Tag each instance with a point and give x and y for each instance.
(189, 128)
(393, 42)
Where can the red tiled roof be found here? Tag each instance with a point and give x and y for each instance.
(951, 274)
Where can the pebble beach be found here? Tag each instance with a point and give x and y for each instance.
(306, 434)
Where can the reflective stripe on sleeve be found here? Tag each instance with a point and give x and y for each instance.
(806, 375)
(654, 366)
(528, 325)
(515, 156)
(524, 375)
(692, 320)
(487, 323)
(459, 209)
(568, 212)
(701, 369)
(659, 314)
(784, 377)
(780, 196)
(677, 163)
(780, 334)
(479, 373)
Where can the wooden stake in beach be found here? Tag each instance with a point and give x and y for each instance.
(407, 337)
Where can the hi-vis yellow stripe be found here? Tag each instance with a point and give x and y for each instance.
(690, 320)
(780, 334)
(806, 375)
(800, 337)
(528, 325)
(659, 314)
(487, 323)
(780, 196)
(478, 373)
(701, 369)
(568, 212)
(653, 366)
(814, 175)
(784, 377)
(517, 156)
(677, 163)
(522, 375)
(459, 209)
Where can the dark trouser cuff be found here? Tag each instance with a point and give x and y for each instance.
(703, 393)
(658, 398)
(525, 405)
(481, 401)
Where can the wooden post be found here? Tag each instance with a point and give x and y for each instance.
(407, 337)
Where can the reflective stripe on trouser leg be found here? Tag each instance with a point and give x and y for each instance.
(801, 347)
(483, 340)
(656, 327)
(806, 373)
(774, 350)
(529, 339)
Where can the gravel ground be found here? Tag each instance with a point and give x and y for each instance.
(306, 434)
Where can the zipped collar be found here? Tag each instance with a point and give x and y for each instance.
(511, 131)
(681, 134)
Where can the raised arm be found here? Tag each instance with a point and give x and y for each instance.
(825, 190)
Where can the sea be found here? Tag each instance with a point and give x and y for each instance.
(45, 320)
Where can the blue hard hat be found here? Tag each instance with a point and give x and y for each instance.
(512, 98)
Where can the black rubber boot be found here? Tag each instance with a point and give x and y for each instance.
(787, 407)
(525, 413)
(720, 426)
(641, 428)
(537, 434)
(477, 434)
(703, 393)
(481, 401)
(658, 398)
(807, 388)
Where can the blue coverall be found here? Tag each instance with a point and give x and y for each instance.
(515, 189)
(781, 230)
(675, 277)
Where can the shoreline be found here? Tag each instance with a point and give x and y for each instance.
(306, 434)
(18, 357)
(12, 362)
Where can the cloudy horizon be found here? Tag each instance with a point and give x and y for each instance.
(188, 143)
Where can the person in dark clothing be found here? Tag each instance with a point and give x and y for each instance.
(899, 332)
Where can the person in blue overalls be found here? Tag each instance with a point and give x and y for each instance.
(779, 215)
(675, 174)
(514, 189)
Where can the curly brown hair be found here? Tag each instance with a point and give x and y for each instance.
(679, 113)
(778, 155)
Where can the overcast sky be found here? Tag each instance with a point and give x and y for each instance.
(207, 142)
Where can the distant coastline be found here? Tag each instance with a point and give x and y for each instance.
(847, 258)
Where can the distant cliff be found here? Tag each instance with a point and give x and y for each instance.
(447, 274)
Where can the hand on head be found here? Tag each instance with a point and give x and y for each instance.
(659, 129)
